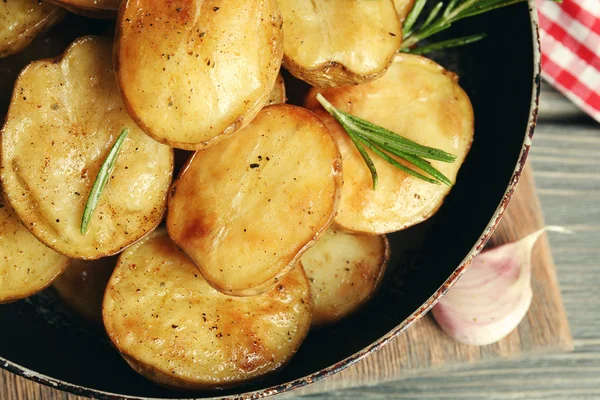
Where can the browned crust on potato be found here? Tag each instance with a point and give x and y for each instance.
(291, 260)
(242, 121)
(33, 228)
(177, 382)
(331, 74)
(165, 380)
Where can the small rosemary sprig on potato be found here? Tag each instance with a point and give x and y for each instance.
(386, 144)
(436, 22)
(101, 180)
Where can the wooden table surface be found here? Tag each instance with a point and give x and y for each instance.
(566, 161)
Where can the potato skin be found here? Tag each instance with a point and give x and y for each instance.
(339, 42)
(281, 174)
(22, 20)
(176, 330)
(81, 286)
(103, 9)
(26, 266)
(277, 95)
(213, 103)
(47, 174)
(419, 100)
(403, 8)
(345, 271)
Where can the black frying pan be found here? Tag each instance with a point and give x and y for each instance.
(41, 340)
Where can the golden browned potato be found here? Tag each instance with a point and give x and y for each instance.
(194, 72)
(106, 9)
(344, 271)
(82, 286)
(339, 42)
(403, 7)
(64, 118)
(421, 101)
(176, 330)
(22, 20)
(246, 209)
(277, 95)
(26, 265)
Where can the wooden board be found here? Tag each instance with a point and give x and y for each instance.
(424, 347)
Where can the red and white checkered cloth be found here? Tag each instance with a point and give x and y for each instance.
(570, 35)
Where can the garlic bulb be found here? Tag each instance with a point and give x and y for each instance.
(492, 296)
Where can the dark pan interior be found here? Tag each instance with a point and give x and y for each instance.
(497, 73)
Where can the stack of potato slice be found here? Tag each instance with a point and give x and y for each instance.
(272, 223)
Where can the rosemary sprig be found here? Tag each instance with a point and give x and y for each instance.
(446, 44)
(101, 180)
(436, 22)
(385, 144)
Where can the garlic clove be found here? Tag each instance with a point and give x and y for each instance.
(492, 296)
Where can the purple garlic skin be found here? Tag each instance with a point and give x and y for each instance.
(492, 296)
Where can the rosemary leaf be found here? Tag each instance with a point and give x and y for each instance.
(101, 180)
(445, 44)
(477, 11)
(395, 163)
(450, 8)
(390, 139)
(432, 15)
(382, 141)
(412, 16)
(434, 23)
(425, 166)
(356, 140)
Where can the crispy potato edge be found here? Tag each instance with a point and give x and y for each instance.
(331, 74)
(10, 299)
(241, 122)
(57, 60)
(272, 281)
(383, 264)
(163, 379)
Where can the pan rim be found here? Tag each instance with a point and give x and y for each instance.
(392, 334)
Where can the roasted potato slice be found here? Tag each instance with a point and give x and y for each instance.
(63, 120)
(194, 72)
(26, 265)
(277, 95)
(22, 20)
(344, 271)
(176, 330)
(403, 8)
(339, 42)
(82, 286)
(246, 209)
(105, 9)
(419, 100)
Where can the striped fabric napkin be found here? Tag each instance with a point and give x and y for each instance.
(570, 35)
